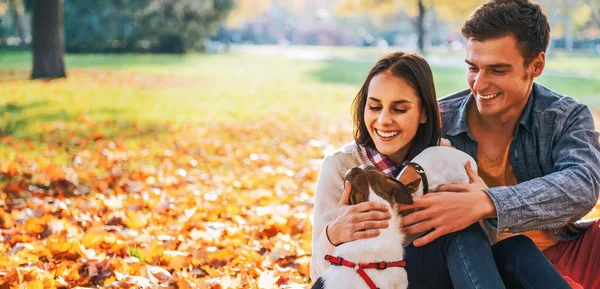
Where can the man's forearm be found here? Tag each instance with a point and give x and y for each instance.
(487, 206)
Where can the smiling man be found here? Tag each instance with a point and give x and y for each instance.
(537, 150)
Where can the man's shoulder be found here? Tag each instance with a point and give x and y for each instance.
(547, 100)
(453, 101)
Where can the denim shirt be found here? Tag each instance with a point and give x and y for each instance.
(555, 154)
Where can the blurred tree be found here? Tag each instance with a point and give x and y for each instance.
(17, 8)
(420, 9)
(48, 39)
(141, 25)
(573, 22)
(246, 9)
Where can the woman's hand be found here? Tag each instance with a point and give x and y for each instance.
(353, 222)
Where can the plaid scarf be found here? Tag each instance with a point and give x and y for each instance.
(385, 164)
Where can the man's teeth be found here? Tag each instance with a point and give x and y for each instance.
(489, 96)
(387, 134)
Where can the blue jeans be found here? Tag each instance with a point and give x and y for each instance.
(465, 260)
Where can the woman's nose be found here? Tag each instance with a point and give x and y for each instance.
(385, 117)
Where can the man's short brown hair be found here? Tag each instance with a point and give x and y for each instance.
(518, 18)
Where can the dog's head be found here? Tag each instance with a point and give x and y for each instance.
(364, 179)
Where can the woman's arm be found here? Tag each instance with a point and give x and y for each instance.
(328, 192)
(336, 222)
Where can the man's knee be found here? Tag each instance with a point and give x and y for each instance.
(473, 232)
(470, 235)
(513, 247)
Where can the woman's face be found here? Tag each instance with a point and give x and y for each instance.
(393, 113)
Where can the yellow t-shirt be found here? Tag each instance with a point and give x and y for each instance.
(499, 172)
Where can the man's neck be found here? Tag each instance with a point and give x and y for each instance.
(504, 124)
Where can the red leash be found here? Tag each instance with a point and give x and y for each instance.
(338, 261)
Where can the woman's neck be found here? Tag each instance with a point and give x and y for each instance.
(400, 156)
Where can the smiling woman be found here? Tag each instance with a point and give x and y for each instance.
(396, 107)
(393, 115)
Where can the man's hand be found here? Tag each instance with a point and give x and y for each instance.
(452, 208)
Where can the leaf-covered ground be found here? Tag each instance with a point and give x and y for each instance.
(221, 206)
(168, 172)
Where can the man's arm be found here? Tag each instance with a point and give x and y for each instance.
(568, 193)
(551, 201)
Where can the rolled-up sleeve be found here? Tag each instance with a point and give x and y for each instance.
(566, 194)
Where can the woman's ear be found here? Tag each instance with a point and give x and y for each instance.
(423, 117)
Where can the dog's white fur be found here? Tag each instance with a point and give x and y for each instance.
(443, 165)
(385, 247)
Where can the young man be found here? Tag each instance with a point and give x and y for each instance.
(538, 152)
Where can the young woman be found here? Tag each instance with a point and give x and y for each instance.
(396, 116)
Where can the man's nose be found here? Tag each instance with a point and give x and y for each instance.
(481, 82)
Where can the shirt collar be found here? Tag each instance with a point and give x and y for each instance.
(458, 124)
(384, 163)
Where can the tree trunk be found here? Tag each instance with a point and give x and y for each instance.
(48, 39)
(421, 27)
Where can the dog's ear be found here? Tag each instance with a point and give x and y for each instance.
(359, 191)
(402, 193)
(413, 186)
(352, 173)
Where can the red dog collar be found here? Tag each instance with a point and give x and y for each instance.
(339, 261)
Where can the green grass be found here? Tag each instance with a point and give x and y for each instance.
(576, 64)
(114, 92)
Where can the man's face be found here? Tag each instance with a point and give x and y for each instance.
(498, 77)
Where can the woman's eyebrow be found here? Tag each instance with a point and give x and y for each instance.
(395, 102)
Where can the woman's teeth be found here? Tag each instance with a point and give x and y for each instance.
(387, 134)
(489, 96)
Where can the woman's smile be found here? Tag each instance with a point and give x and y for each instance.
(387, 135)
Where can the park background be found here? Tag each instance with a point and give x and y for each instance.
(176, 144)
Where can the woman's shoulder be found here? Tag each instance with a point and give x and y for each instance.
(346, 157)
(347, 150)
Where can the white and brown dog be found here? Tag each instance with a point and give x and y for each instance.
(361, 263)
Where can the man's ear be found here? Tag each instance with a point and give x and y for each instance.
(538, 63)
(413, 186)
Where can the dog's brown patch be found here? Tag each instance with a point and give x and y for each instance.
(359, 191)
(387, 188)
(411, 179)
